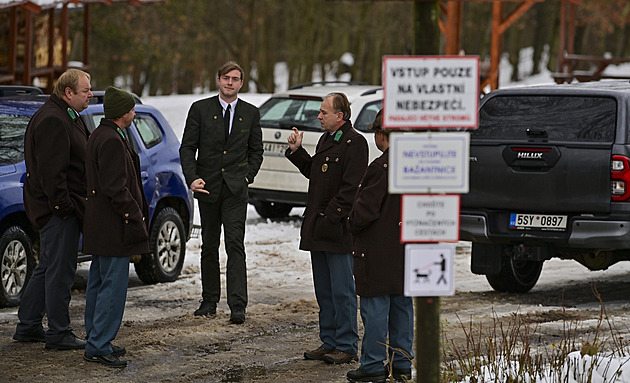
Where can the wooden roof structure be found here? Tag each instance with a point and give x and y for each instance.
(20, 68)
(500, 23)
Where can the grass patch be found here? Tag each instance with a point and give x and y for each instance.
(512, 349)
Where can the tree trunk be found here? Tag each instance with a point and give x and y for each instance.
(426, 31)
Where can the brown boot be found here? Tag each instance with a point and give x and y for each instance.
(339, 357)
(317, 354)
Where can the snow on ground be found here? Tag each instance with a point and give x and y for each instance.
(269, 243)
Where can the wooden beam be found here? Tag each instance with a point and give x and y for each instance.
(86, 35)
(441, 23)
(495, 45)
(63, 29)
(518, 12)
(13, 29)
(453, 27)
(28, 48)
(51, 49)
(29, 6)
(571, 25)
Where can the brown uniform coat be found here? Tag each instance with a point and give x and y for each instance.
(55, 144)
(379, 257)
(117, 214)
(334, 173)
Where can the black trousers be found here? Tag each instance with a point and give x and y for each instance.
(49, 290)
(229, 212)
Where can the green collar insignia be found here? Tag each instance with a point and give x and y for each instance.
(338, 135)
(72, 113)
(122, 134)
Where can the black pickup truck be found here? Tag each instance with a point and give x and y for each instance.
(549, 177)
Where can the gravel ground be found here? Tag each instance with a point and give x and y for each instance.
(166, 343)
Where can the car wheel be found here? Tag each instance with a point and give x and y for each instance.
(168, 248)
(16, 265)
(272, 209)
(515, 276)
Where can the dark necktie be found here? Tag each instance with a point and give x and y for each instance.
(226, 122)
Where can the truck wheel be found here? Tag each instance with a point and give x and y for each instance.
(16, 265)
(168, 249)
(515, 276)
(272, 209)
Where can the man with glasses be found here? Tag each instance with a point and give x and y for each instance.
(221, 153)
(55, 145)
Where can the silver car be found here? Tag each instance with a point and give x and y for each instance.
(279, 186)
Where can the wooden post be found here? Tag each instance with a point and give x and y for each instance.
(571, 32)
(86, 36)
(64, 37)
(453, 27)
(427, 339)
(560, 65)
(12, 44)
(495, 46)
(28, 48)
(51, 50)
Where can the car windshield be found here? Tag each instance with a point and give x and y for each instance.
(12, 128)
(285, 113)
(366, 116)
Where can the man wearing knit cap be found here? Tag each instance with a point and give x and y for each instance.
(116, 202)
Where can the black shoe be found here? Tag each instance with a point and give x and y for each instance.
(237, 316)
(339, 357)
(108, 360)
(118, 351)
(38, 335)
(68, 342)
(400, 373)
(206, 308)
(359, 375)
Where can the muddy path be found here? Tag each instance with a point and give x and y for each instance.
(166, 343)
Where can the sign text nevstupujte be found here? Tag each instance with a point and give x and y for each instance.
(425, 92)
(428, 162)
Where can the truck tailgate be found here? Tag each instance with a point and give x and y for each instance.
(543, 154)
(554, 178)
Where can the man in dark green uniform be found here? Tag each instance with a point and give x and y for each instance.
(221, 153)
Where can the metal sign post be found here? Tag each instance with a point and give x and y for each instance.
(429, 274)
(423, 93)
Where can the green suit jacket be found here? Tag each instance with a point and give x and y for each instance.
(205, 154)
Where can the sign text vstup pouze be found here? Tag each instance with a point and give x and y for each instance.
(422, 92)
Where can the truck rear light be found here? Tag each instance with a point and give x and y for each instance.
(620, 178)
(618, 188)
(616, 165)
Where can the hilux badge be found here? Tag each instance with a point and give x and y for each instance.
(530, 156)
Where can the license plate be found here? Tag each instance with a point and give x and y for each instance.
(538, 221)
(275, 148)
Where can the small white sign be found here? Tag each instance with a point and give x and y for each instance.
(429, 162)
(421, 92)
(429, 270)
(430, 218)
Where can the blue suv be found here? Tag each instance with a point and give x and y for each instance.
(170, 201)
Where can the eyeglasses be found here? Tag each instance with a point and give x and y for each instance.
(227, 78)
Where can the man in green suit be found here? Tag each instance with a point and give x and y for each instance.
(221, 153)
